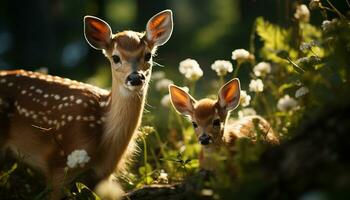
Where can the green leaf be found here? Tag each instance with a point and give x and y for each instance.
(276, 40)
(85, 192)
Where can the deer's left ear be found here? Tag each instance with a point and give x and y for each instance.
(229, 95)
(159, 28)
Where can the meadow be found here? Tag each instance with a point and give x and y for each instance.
(296, 77)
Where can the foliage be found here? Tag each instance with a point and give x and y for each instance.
(301, 56)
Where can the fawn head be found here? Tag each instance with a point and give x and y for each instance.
(208, 116)
(130, 53)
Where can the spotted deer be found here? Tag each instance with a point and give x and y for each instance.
(210, 120)
(44, 118)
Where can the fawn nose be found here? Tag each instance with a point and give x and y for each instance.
(205, 139)
(135, 79)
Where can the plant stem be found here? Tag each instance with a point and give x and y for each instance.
(235, 73)
(336, 10)
(221, 81)
(192, 87)
(295, 66)
(145, 157)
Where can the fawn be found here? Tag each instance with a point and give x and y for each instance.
(209, 119)
(46, 117)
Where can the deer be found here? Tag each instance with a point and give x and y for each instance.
(210, 121)
(44, 118)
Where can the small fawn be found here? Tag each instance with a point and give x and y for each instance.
(209, 119)
(44, 118)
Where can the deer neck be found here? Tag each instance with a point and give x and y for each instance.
(123, 117)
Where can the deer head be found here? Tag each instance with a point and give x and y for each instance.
(208, 116)
(130, 53)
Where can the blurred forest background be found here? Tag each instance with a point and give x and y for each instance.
(312, 160)
(41, 33)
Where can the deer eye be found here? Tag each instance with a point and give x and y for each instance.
(116, 59)
(216, 122)
(148, 56)
(195, 125)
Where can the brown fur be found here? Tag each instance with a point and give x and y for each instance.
(205, 111)
(44, 118)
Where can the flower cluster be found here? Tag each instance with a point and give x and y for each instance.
(302, 13)
(190, 69)
(246, 112)
(256, 85)
(286, 103)
(163, 84)
(158, 75)
(245, 98)
(163, 177)
(77, 158)
(222, 67)
(261, 69)
(301, 92)
(241, 55)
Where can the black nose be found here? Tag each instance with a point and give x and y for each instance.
(204, 139)
(135, 79)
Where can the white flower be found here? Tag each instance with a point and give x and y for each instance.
(163, 177)
(286, 103)
(165, 101)
(246, 112)
(190, 69)
(162, 85)
(245, 98)
(256, 85)
(77, 158)
(240, 55)
(158, 75)
(301, 92)
(222, 67)
(186, 89)
(302, 13)
(329, 25)
(262, 68)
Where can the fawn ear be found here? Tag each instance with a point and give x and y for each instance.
(181, 100)
(159, 28)
(97, 32)
(229, 95)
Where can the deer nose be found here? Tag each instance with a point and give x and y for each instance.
(135, 79)
(204, 139)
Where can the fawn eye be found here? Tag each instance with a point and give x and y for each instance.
(194, 124)
(148, 56)
(216, 122)
(116, 59)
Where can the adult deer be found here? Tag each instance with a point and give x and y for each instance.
(209, 119)
(44, 118)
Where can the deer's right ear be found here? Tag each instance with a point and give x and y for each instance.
(181, 100)
(97, 32)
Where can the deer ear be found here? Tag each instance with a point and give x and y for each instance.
(229, 95)
(181, 100)
(97, 32)
(159, 28)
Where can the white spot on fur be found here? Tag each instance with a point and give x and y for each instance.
(39, 91)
